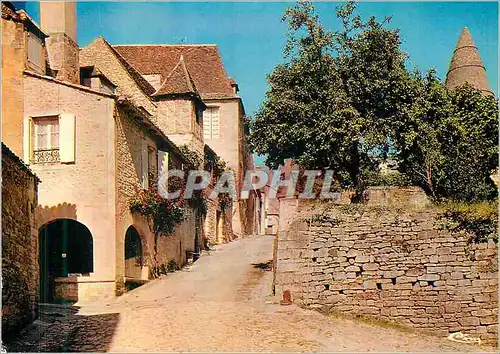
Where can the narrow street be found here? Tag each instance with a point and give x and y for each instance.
(221, 303)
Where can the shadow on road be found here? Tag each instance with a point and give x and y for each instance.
(264, 266)
(65, 331)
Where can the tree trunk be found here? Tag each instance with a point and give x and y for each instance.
(355, 174)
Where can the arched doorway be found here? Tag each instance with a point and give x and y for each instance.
(133, 254)
(65, 248)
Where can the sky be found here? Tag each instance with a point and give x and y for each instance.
(251, 36)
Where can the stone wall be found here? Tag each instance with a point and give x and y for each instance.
(19, 244)
(393, 263)
(13, 63)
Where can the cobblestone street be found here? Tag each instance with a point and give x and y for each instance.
(221, 303)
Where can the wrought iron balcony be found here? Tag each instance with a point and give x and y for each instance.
(45, 156)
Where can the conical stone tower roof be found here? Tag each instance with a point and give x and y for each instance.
(467, 66)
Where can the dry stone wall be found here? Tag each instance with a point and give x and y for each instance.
(19, 244)
(392, 264)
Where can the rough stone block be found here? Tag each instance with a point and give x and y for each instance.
(429, 277)
(370, 266)
(352, 268)
(362, 259)
(370, 284)
(469, 321)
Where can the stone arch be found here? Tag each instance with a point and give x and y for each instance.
(46, 214)
(66, 247)
(136, 252)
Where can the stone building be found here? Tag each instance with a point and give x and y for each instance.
(224, 127)
(218, 221)
(466, 65)
(101, 133)
(19, 243)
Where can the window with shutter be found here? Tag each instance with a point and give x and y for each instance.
(215, 122)
(45, 139)
(211, 123)
(152, 167)
(207, 123)
(35, 53)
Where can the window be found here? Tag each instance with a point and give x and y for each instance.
(35, 53)
(49, 139)
(211, 123)
(45, 139)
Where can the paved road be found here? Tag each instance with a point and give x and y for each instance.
(223, 303)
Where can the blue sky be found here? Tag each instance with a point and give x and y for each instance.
(251, 37)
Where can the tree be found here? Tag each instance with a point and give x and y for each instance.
(344, 100)
(332, 104)
(448, 143)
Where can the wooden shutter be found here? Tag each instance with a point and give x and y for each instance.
(27, 139)
(67, 137)
(162, 172)
(215, 122)
(207, 124)
(144, 164)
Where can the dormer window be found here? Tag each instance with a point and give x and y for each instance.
(35, 53)
(94, 79)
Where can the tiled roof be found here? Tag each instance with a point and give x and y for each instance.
(467, 66)
(203, 62)
(138, 78)
(177, 82)
(144, 85)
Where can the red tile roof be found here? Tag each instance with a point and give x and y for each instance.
(203, 62)
(138, 78)
(177, 82)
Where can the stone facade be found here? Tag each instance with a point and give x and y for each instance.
(231, 146)
(217, 223)
(110, 151)
(177, 118)
(19, 244)
(16, 28)
(217, 90)
(393, 263)
(87, 184)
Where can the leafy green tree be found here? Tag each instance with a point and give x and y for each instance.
(332, 103)
(344, 100)
(448, 143)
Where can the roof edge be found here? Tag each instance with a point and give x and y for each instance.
(6, 150)
(78, 87)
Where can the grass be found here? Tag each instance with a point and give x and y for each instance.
(378, 322)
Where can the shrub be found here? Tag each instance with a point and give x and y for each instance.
(478, 219)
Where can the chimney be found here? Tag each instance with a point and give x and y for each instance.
(58, 20)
